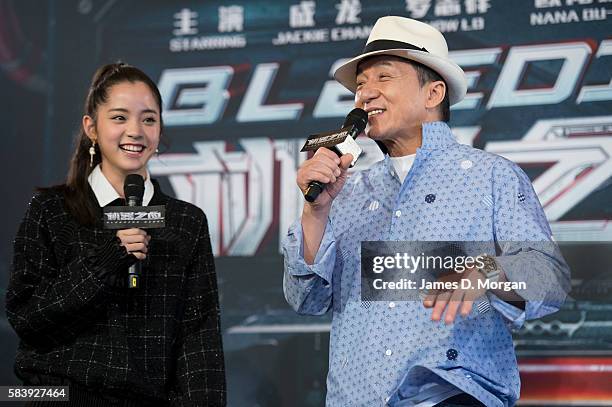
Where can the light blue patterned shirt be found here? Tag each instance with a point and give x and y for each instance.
(384, 352)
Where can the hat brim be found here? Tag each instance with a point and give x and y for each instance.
(452, 74)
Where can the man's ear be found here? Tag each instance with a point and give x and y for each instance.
(89, 127)
(436, 91)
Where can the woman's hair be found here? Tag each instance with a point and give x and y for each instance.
(76, 191)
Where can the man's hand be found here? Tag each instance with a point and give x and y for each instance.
(135, 241)
(460, 299)
(326, 167)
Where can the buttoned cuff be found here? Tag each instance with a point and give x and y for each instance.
(324, 260)
(543, 293)
(514, 316)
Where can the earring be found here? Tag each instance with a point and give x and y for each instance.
(92, 152)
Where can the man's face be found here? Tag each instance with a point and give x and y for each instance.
(388, 89)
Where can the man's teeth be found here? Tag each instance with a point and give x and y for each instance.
(136, 149)
(373, 112)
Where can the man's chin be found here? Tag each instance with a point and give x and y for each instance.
(374, 135)
(369, 133)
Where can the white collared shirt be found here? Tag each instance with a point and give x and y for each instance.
(105, 193)
(402, 165)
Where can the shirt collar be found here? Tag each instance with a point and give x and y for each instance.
(401, 165)
(105, 193)
(436, 135)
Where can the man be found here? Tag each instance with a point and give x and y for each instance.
(428, 188)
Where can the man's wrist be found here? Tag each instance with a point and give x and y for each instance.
(314, 211)
(314, 222)
(509, 296)
(489, 268)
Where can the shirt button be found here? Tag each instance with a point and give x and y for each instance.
(391, 304)
(452, 354)
(398, 213)
(466, 164)
(388, 352)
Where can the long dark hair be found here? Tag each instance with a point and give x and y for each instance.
(76, 190)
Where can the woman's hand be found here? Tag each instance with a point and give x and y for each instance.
(135, 241)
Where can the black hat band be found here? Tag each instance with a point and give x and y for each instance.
(381, 45)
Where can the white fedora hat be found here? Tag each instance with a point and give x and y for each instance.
(413, 40)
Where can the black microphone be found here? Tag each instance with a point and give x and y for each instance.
(341, 143)
(133, 189)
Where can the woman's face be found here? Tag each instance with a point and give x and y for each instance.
(127, 129)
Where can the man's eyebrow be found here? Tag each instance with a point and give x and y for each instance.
(382, 62)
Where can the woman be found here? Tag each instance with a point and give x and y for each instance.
(78, 323)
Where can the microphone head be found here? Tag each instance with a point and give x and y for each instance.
(358, 118)
(133, 187)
